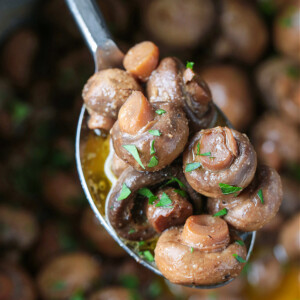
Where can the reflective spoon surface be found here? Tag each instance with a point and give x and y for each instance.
(106, 54)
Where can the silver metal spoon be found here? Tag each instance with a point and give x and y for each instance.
(106, 54)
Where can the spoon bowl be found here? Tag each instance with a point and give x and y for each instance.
(106, 54)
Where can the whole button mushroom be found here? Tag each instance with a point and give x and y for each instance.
(219, 162)
(172, 82)
(100, 238)
(179, 23)
(171, 208)
(126, 207)
(104, 94)
(286, 30)
(230, 88)
(149, 137)
(19, 228)
(289, 237)
(243, 33)
(15, 283)
(67, 274)
(112, 293)
(208, 253)
(256, 205)
(275, 141)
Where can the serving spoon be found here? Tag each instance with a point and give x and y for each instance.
(106, 54)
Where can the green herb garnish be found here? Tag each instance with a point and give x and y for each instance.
(173, 180)
(229, 189)
(155, 289)
(160, 111)
(153, 162)
(192, 249)
(147, 193)
(205, 154)
(190, 65)
(180, 192)
(221, 212)
(148, 255)
(164, 201)
(154, 132)
(142, 243)
(77, 296)
(260, 196)
(125, 192)
(58, 285)
(131, 231)
(293, 72)
(152, 149)
(134, 152)
(129, 281)
(192, 166)
(240, 242)
(238, 258)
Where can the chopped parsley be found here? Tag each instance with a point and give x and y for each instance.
(240, 242)
(148, 255)
(229, 189)
(142, 243)
(180, 192)
(190, 65)
(131, 231)
(221, 212)
(77, 296)
(164, 201)
(134, 152)
(152, 149)
(192, 249)
(173, 180)
(125, 192)
(154, 132)
(293, 72)
(260, 196)
(205, 154)
(58, 285)
(129, 281)
(192, 166)
(153, 162)
(238, 258)
(160, 111)
(155, 289)
(147, 193)
(198, 149)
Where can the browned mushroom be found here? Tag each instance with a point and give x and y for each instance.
(243, 33)
(171, 82)
(217, 159)
(208, 253)
(256, 205)
(112, 293)
(15, 283)
(286, 30)
(96, 233)
(18, 227)
(231, 92)
(179, 23)
(67, 274)
(118, 165)
(279, 80)
(126, 203)
(146, 140)
(289, 237)
(104, 94)
(276, 141)
(171, 208)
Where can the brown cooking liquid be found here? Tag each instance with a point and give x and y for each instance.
(95, 153)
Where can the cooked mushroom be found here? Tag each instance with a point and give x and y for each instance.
(126, 203)
(179, 23)
(99, 237)
(146, 140)
(289, 237)
(276, 141)
(67, 274)
(112, 293)
(171, 82)
(279, 80)
(15, 283)
(243, 33)
(207, 251)
(230, 88)
(171, 208)
(104, 94)
(118, 165)
(256, 205)
(219, 162)
(18, 227)
(286, 30)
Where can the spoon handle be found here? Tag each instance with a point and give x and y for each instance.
(93, 28)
